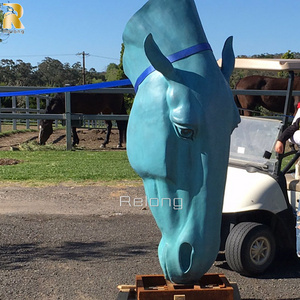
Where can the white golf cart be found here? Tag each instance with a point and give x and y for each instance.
(261, 199)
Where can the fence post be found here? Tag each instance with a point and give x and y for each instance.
(68, 119)
(0, 112)
(27, 111)
(288, 98)
(38, 107)
(14, 106)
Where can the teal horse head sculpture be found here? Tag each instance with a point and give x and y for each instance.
(179, 131)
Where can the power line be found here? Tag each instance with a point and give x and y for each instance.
(105, 57)
(48, 55)
(57, 55)
(39, 55)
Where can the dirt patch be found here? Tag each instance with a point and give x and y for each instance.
(8, 161)
(89, 139)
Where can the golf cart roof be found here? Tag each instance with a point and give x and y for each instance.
(268, 64)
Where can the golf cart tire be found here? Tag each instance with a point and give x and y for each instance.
(250, 248)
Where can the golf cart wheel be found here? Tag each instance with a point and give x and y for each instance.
(250, 248)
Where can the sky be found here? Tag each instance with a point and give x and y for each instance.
(61, 29)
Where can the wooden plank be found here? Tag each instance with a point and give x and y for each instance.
(209, 287)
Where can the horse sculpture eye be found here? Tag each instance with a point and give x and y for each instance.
(184, 132)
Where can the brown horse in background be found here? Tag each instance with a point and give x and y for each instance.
(86, 103)
(272, 103)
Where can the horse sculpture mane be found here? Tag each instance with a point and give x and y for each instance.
(184, 99)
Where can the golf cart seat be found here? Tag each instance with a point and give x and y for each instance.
(292, 183)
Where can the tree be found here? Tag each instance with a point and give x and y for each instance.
(3, 36)
(288, 55)
(129, 98)
(92, 76)
(1, 22)
(51, 71)
(121, 74)
(111, 72)
(264, 55)
(7, 72)
(72, 74)
(23, 73)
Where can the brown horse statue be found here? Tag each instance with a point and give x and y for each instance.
(272, 103)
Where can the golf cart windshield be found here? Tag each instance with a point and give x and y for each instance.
(252, 142)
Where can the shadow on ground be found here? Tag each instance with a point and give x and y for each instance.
(17, 256)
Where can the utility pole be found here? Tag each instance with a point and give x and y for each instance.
(83, 64)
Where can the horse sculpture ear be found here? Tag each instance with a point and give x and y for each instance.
(228, 59)
(156, 57)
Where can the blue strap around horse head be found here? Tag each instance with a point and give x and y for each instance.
(172, 58)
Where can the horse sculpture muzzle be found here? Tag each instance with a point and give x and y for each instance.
(187, 106)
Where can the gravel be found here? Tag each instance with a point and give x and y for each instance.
(78, 242)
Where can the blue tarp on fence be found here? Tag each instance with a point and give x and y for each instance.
(101, 85)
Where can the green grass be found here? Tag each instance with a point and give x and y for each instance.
(60, 166)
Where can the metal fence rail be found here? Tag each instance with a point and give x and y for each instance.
(14, 113)
(28, 114)
(264, 93)
(26, 110)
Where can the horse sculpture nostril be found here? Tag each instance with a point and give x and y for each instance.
(186, 252)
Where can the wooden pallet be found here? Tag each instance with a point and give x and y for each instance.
(153, 287)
